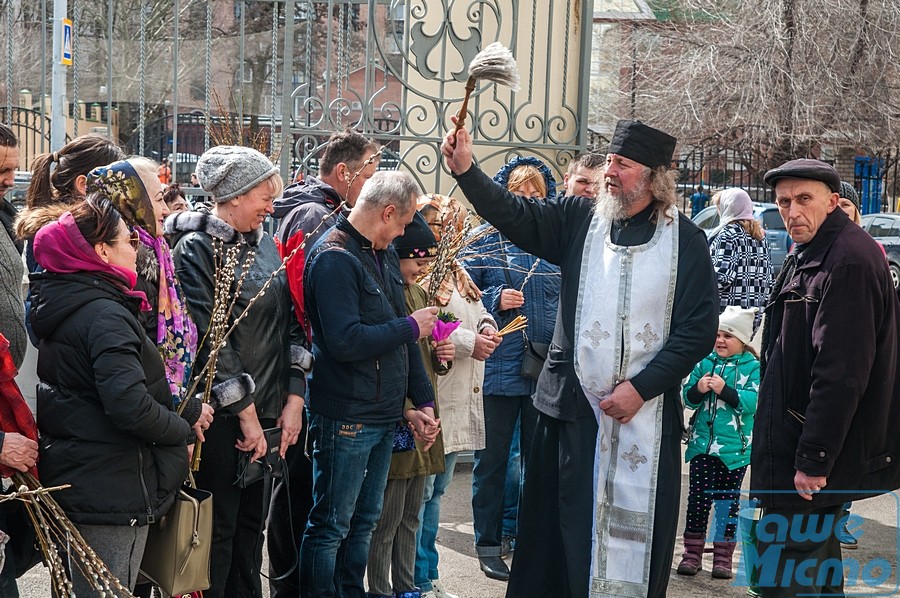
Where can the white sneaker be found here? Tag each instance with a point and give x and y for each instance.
(439, 591)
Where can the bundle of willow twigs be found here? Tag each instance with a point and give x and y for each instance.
(55, 532)
(520, 322)
(451, 244)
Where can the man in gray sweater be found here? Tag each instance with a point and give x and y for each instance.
(12, 308)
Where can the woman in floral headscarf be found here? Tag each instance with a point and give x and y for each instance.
(134, 188)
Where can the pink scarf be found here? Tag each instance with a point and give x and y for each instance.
(60, 247)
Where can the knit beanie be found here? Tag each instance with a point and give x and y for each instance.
(417, 241)
(848, 192)
(738, 322)
(227, 171)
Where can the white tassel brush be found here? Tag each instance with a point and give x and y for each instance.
(494, 63)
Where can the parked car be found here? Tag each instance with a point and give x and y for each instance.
(767, 215)
(885, 228)
(16, 195)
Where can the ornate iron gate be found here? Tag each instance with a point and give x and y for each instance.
(288, 73)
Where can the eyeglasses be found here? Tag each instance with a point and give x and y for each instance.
(134, 239)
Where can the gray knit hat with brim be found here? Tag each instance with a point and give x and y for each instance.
(227, 171)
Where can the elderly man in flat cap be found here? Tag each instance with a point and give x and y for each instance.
(638, 308)
(825, 429)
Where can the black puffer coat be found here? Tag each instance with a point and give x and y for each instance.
(104, 406)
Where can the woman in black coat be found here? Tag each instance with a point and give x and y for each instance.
(106, 422)
(259, 378)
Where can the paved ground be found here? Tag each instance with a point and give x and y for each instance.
(459, 565)
(460, 573)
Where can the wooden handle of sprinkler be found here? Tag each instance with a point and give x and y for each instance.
(461, 116)
(195, 459)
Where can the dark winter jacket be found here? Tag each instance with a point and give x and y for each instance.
(104, 404)
(367, 360)
(827, 402)
(264, 358)
(555, 230)
(302, 206)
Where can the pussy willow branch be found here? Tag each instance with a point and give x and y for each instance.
(221, 341)
(24, 492)
(452, 243)
(530, 274)
(53, 529)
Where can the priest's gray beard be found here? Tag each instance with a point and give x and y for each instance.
(617, 207)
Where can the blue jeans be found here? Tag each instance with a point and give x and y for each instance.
(430, 515)
(502, 415)
(513, 490)
(350, 467)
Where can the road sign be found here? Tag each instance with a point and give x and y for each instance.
(66, 57)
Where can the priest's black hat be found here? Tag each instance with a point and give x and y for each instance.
(806, 168)
(636, 141)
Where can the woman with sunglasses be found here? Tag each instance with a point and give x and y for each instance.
(107, 422)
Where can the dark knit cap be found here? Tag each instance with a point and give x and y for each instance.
(417, 241)
(806, 168)
(636, 141)
(848, 192)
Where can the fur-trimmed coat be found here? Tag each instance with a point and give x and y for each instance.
(265, 358)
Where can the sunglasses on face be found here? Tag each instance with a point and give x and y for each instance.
(134, 240)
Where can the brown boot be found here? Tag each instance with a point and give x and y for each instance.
(692, 561)
(722, 553)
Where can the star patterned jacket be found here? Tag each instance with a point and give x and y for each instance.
(724, 424)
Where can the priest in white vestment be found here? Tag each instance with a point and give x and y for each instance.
(638, 309)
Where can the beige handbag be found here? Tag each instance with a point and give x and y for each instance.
(176, 557)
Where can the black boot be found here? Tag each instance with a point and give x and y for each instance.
(494, 567)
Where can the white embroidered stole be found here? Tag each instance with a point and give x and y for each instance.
(622, 321)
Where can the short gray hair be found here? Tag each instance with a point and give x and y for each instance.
(389, 188)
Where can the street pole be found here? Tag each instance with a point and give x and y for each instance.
(58, 80)
(287, 99)
(175, 45)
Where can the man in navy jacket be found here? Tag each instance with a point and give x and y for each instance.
(367, 365)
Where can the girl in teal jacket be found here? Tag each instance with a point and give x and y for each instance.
(723, 390)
